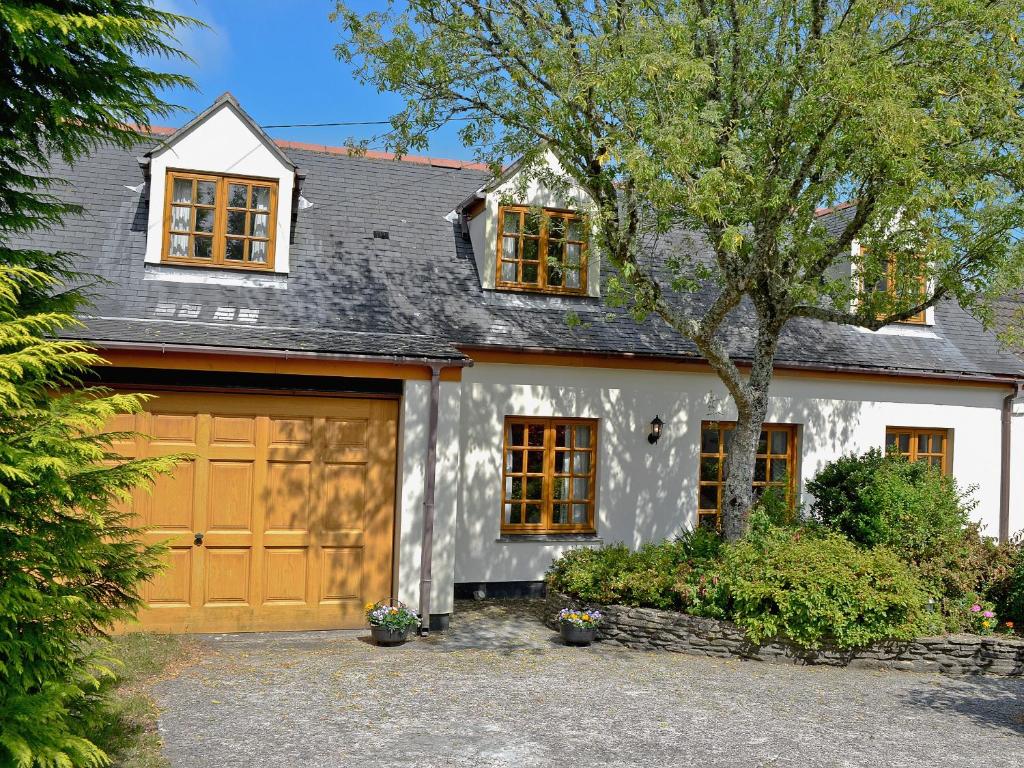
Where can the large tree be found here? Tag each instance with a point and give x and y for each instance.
(70, 557)
(739, 119)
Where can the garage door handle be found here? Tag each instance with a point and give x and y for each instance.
(198, 540)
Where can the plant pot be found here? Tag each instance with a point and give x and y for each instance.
(572, 635)
(388, 637)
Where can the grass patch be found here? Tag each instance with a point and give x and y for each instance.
(124, 721)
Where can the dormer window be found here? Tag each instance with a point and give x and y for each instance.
(895, 270)
(220, 220)
(541, 250)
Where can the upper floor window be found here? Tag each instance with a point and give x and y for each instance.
(916, 444)
(774, 467)
(218, 220)
(908, 269)
(541, 250)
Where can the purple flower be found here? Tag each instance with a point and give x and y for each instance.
(975, 608)
(988, 614)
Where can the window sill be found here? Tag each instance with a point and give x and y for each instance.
(548, 538)
(185, 273)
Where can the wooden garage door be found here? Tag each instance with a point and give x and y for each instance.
(294, 498)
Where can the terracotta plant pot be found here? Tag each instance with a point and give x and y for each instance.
(389, 637)
(572, 635)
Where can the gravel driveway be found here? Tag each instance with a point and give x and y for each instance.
(499, 691)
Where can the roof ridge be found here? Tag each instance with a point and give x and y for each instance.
(834, 208)
(436, 162)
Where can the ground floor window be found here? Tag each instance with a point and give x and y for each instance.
(775, 466)
(548, 471)
(919, 444)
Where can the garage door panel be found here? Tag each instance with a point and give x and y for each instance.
(288, 496)
(345, 497)
(295, 499)
(171, 503)
(172, 588)
(228, 575)
(341, 571)
(230, 496)
(285, 580)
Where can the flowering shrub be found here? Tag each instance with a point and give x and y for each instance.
(397, 618)
(983, 619)
(581, 619)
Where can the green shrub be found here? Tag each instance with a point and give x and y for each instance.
(1008, 591)
(816, 587)
(885, 500)
(648, 577)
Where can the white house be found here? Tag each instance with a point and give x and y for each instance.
(354, 346)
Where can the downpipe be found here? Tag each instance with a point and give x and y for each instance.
(1005, 461)
(429, 484)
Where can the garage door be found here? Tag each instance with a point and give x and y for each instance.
(283, 521)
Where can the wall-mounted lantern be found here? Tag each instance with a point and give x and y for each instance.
(656, 425)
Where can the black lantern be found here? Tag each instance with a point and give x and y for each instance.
(656, 425)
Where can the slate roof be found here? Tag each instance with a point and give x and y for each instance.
(416, 294)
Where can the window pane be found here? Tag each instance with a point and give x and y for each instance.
(534, 488)
(581, 488)
(258, 225)
(234, 250)
(760, 470)
(582, 437)
(508, 248)
(511, 222)
(206, 192)
(530, 271)
(890, 441)
(202, 247)
(562, 462)
(555, 275)
(182, 191)
(709, 497)
(561, 436)
(922, 443)
(258, 251)
(261, 198)
(580, 514)
(532, 224)
(556, 228)
(575, 229)
(535, 461)
(572, 255)
(560, 488)
(572, 279)
(531, 249)
(560, 514)
(236, 222)
(780, 442)
(709, 440)
(904, 443)
(581, 463)
(180, 218)
(516, 488)
(536, 434)
(238, 196)
(204, 219)
(937, 462)
(708, 522)
(179, 245)
(515, 461)
(709, 468)
(762, 442)
(778, 471)
(517, 433)
(513, 514)
(508, 271)
(532, 514)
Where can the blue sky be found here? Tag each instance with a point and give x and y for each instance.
(277, 58)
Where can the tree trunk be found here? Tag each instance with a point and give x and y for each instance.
(751, 410)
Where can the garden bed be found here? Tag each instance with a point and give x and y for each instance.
(653, 629)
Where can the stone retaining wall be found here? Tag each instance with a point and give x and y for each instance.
(652, 629)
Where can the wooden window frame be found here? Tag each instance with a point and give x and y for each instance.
(541, 286)
(220, 215)
(914, 434)
(791, 456)
(921, 318)
(547, 501)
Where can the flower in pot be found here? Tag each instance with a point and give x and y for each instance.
(578, 626)
(390, 621)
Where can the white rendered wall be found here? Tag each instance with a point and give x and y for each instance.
(483, 228)
(645, 492)
(411, 460)
(223, 143)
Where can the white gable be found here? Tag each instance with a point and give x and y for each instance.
(222, 140)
